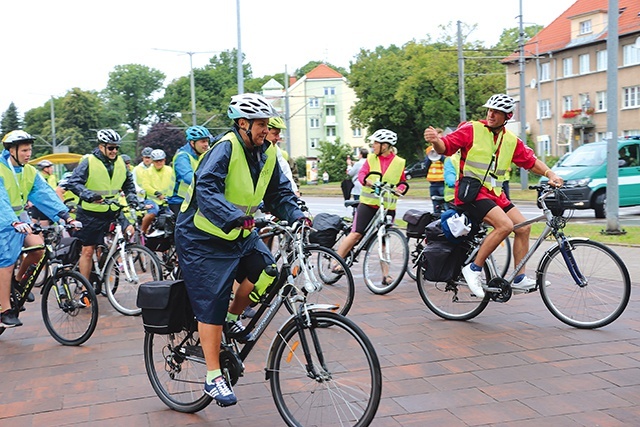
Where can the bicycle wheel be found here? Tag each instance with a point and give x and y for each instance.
(337, 288)
(69, 307)
(384, 265)
(123, 276)
(597, 303)
(451, 300)
(416, 245)
(340, 384)
(176, 369)
(502, 257)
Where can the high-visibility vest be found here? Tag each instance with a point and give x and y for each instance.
(51, 180)
(436, 169)
(239, 189)
(392, 176)
(480, 156)
(101, 183)
(18, 193)
(183, 187)
(159, 180)
(449, 192)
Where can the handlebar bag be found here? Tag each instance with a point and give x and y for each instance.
(327, 226)
(68, 250)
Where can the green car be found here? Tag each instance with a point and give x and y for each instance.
(585, 174)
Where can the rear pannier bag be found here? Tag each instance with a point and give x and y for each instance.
(327, 226)
(165, 306)
(441, 260)
(417, 221)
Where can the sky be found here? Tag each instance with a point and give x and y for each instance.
(48, 47)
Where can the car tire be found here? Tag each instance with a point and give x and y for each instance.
(599, 205)
(408, 176)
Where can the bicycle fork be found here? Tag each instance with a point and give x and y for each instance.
(566, 250)
(303, 321)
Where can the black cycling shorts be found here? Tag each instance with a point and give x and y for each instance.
(94, 226)
(364, 215)
(480, 208)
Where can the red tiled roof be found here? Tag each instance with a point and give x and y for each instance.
(323, 71)
(557, 35)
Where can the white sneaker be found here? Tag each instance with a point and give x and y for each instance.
(474, 280)
(526, 284)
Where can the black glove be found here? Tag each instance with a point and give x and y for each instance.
(94, 197)
(132, 200)
(246, 222)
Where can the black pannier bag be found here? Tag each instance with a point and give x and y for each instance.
(165, 306)
(67, 251)
(161, 239)
(441, 260)
(327, 226)
(417, 221)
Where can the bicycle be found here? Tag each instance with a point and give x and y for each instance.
(69, 304)
(416, 239)
(321, 367)
(311, 262)
(582, 283)
(161, 241)
(385, 246)
(122, 266)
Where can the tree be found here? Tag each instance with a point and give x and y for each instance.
(164, 136)
(510, 38)
(333, 159)
(130, 89)
(10, 120)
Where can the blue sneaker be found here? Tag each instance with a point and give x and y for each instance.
(220, 391)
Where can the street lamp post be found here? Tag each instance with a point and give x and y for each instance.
(194, 120)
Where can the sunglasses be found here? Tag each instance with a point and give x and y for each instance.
(112, 147)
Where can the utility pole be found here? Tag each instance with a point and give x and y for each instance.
(194, 119)
(53, 127)
(613, 195)
(287, 131)
(239, 53)
(461, 95)
(524, 174)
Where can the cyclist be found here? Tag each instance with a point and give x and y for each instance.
(215, 239)
(46, 170)
(288, 166)
(185, 162)
(139, 169)
(487, 150)
(21, 182)
(159, 181)
(100, 176)
(127, 162)
(382, 159)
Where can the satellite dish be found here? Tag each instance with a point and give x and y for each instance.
(533, 83)
(637, 44)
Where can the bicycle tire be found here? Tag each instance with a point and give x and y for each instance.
(67, 320)
(176, 377)
(346, 367)
(595, 305)
(397, 252)
(337, 288)
(451, 300)
(122, 291)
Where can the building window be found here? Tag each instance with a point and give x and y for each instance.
(567, 103)
(330, 111)
(331, 131)
(601, 136)
(631, 97)
(585, 27)
(314, 103)
(631, 132)
(544, 109)
(329, 91)
(314, 122)
(567, 67)
(313, 142)
(583, 61)
(601, 60)
(601, 101)
(545, 73)
(357, 133)
(630, 55)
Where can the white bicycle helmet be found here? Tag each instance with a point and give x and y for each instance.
(384, 135)
(17, 137)
(250, 106)
(158, 155)
(501, 102)
(109, 136)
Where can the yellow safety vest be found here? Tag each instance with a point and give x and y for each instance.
(18, 194)
(237, 189)
(392, 176)
(162, 180)
(51, 180)
(101, 183)
(183, 187)
(480, 156)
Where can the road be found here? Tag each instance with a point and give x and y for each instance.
(335, 205)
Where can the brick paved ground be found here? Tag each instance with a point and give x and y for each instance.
(514, 365)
